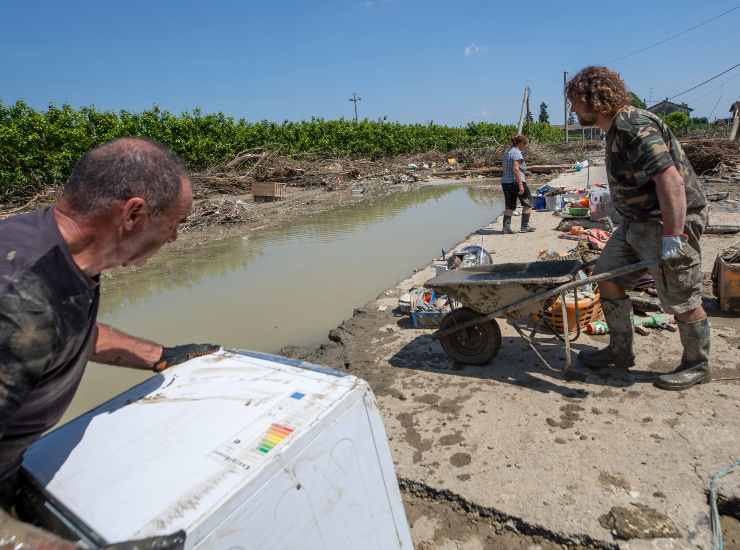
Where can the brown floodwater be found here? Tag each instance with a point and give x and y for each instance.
(287, 286)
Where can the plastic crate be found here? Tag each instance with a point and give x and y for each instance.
(427, 319)
(589, 310)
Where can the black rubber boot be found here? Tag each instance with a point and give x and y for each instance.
(526, 228)
(507, 225)
(694, 368)
(619, 353)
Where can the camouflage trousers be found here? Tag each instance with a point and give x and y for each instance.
(679, 284)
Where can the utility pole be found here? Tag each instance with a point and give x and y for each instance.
(525, 109)
(354, 99)
(565, 105)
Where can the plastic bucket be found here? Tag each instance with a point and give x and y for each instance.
(554, 202)
(539, 203)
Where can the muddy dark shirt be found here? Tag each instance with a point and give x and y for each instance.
(48, 309)
(638, 147)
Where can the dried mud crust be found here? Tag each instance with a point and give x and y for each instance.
(443, 520)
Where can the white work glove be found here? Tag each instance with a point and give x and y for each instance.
(672, 248)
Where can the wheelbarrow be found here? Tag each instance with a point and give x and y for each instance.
(520, 292)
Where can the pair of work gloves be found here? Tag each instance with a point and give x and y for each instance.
(175, 355)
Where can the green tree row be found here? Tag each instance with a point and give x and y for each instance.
(38, 148)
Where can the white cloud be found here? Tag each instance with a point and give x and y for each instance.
(474, 49)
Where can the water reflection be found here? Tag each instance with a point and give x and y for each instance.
(286, 286)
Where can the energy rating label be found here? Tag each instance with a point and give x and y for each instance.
(275, 435)
(254, 444)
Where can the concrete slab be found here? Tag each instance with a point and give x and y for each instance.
(515, 438)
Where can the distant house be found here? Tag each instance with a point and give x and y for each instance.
(666, 107)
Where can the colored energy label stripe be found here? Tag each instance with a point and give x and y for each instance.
(274, 435)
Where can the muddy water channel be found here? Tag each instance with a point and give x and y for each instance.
(287, 286)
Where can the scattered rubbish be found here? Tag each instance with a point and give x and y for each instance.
(578, 166)
(452, 161)
(657, 321)
(721, 229)
(597, 327)
(554, 201)
(716, 197)
(642, 303)
(578, 212)
(412, 166)
(272, 191)
(589, 310)
(404, 303)
(427, 308)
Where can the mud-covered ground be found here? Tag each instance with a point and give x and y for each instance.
(513, 455)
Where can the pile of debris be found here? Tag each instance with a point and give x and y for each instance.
(236, 176)
(713, 156)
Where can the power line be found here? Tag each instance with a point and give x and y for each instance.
(673, 36)
(707, 81)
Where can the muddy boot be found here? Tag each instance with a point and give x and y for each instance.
(507, 225)
(694, 368)
(619, 353)
(526, 228)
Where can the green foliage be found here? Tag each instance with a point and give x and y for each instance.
(636, 101)
(544, 117)
(38, 148)
(678, 122)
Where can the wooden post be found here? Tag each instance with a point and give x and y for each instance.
(525, 103)
(565, 105)
(735, 133)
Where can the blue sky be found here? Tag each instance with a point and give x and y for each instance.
(412, 61)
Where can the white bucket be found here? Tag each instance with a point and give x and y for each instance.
(554, 202)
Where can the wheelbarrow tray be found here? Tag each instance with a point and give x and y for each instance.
(487, 288)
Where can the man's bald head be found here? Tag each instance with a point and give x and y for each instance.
(122, 169)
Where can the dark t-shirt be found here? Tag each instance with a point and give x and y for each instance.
(48, 310)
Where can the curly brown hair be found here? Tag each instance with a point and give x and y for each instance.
(519, 140)
(600, 88)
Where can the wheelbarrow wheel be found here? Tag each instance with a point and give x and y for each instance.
(475, 345)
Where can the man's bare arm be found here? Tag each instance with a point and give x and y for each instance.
(113, 347)
(669, 186)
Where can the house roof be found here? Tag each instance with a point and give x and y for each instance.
(666, 103)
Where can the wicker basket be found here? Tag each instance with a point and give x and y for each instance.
(589, 309)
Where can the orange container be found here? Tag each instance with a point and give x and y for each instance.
(589, 309)
(727, 287)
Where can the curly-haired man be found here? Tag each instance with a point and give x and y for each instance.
(656, 191)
